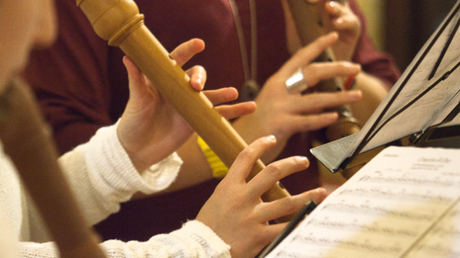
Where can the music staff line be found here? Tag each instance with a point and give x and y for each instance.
(401, 194)
(377, 210)
(410, 181)
(354, 226)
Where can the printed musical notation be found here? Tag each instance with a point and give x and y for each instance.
(404, 203)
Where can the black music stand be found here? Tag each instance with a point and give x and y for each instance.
(422, 106)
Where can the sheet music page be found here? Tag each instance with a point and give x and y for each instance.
(443, 240)
(427, 110)
(386, 210)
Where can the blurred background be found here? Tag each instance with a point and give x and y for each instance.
(401, 27)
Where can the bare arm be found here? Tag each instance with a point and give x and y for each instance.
(374, 91)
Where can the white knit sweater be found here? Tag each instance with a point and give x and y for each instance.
(102, 176)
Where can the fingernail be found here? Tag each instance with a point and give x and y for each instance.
(334, 6)
(332, 116)
(355, 94)
(339, 21)
(198, 78)
(320, 190)
(271, 138)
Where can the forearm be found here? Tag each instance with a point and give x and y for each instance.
(374, 91)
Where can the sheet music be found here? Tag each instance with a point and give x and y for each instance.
(387, 210)
(443, 240)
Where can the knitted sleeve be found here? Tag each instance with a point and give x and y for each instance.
(102, 175)
(193, 240)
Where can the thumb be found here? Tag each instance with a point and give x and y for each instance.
(137, 85)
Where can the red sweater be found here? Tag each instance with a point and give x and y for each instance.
(82, 85)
